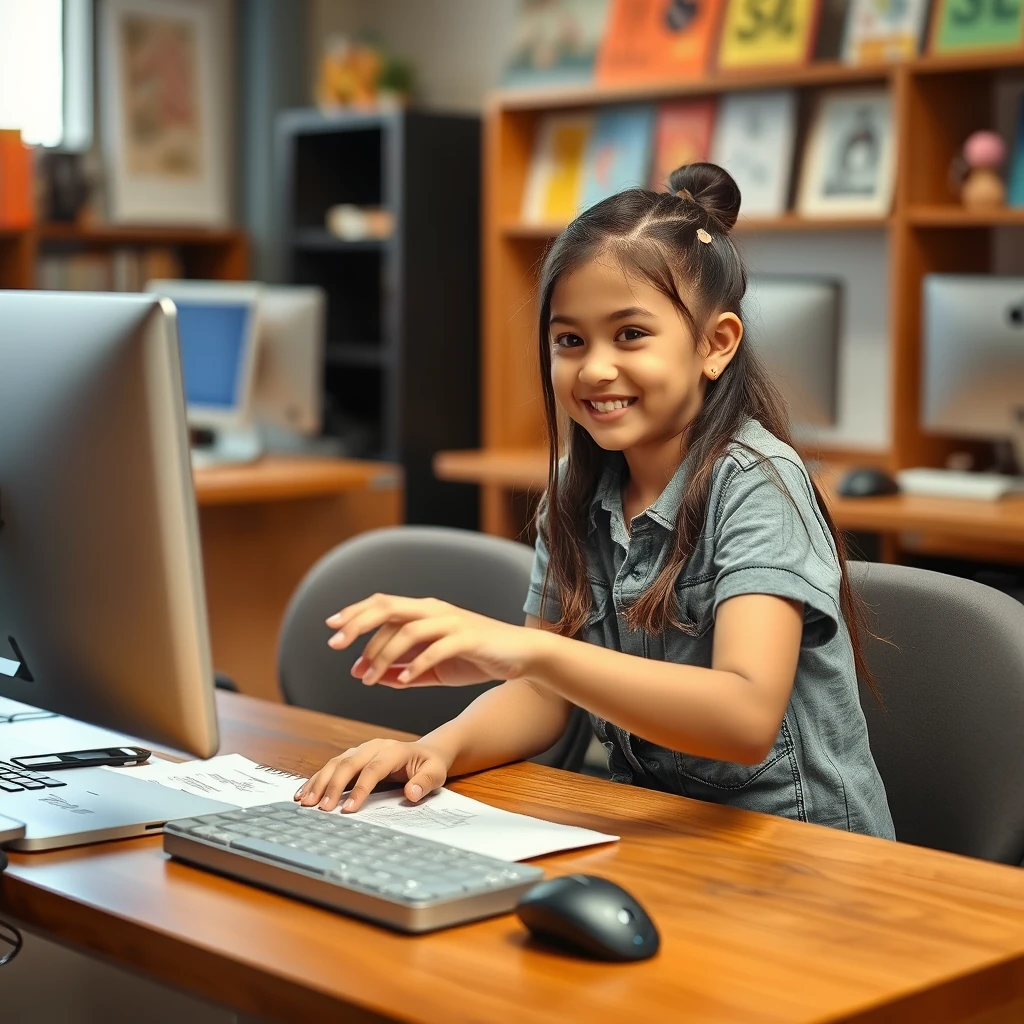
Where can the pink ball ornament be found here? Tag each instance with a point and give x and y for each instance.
(984, 150)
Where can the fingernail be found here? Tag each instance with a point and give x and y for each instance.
(403, 676)
(338, 640)
(415, 792)
(371, 676)
(323, 804)
(348, 804)
(334, 620)
(299, 792)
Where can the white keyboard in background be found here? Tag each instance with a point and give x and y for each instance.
(954, 483)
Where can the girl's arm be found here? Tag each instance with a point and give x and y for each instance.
(730, 712)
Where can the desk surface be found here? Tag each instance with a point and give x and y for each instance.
(994, 522)
(763, 920)
(278, 477)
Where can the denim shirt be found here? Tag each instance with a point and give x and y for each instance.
(756, 540)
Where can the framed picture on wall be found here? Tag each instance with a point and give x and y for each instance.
(163, 117)
(849, 160)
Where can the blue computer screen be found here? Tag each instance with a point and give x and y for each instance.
(212, 338)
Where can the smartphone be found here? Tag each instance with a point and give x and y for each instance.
(117, 756)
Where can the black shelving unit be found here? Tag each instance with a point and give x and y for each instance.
(402, 374)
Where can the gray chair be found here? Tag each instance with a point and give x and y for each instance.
(486, 574)
(950, 742)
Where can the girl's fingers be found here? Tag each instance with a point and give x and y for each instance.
(381, 767)
(379, 611)
(336, 775)
(442, 650)
(408, 637)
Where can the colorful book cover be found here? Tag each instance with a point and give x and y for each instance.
(759, 33)
(619, 153)
(682, 135)
(657, 40)
(883, 30)
(555, 41)
(754, 140)
(976, 25)
(553, 185)
(1015, 179)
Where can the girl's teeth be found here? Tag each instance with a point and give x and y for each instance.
(610, 406)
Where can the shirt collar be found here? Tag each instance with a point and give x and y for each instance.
(608, 494)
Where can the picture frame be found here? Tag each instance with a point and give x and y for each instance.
(753, 140)
(849, 158)
(767, 33)
(163, 90)
(964, 25)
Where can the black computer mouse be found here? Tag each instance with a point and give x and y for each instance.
(589, 915)
(866, 482)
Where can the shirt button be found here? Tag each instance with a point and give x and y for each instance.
(639, 572)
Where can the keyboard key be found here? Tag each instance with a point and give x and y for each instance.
(51, 783)
(10, 787)
(31, 784)
(276, 851)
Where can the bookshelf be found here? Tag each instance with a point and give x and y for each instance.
(937, 102)
(220, 254)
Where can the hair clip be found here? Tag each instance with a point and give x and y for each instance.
(703, 236)
(685, 193)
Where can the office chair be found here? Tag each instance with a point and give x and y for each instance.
(949, 743)
(485, 574)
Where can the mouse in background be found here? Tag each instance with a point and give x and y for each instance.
(589, 915)
(866, 482)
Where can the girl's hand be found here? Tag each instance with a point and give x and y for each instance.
(422, 767)
(426, 642)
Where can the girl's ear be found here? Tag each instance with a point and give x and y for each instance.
(724, 335)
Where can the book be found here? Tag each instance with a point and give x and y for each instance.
(754, 138)
(656, 40)
(1015, 174)
(959, 25)
(554, 42)
(761, 33)
(849, 161)
(883, 30)
(553, 184)
(443, 816)
(17, 207)
(618, 155)
(682, 135)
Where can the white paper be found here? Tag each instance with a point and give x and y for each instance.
(444, 816)
(232, 778)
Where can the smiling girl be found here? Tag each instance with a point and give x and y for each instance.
(689, 587)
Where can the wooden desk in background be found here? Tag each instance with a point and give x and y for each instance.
(262, 526)
(762, 920)
(978, 529)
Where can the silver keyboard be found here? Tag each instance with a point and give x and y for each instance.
(347, 864)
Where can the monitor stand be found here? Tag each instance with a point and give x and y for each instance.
(225, 448)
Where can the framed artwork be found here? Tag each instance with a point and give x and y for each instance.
(959, 25)
(883, 30)
(762, 33)
(164, 123)
(753, 141)
(849, 161)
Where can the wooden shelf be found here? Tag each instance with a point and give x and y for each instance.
(115, 234)
(822, 73)
(1012, 58)
(322, 240)
(950, 216)
(745, 225)
(520, 468)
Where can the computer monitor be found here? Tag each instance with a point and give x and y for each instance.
(102, 608)
(974, 357)
(793, 324)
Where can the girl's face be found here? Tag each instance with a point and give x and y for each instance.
(624, 363)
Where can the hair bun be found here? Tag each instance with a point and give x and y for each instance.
(712, 188)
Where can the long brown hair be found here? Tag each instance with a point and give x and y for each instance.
(654, 236)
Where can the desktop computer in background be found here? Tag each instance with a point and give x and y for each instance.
(277, 402)
(793, 325)
(973, 378)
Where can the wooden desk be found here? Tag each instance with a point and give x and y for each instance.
(983, 529)
(262, 526)
(762, 920)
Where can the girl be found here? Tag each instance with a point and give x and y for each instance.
(688, 586)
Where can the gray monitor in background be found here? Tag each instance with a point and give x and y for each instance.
(974, 357)
(288, 393)
(102, 609)
(793, 324)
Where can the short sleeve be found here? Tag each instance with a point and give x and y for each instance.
(770, 538)
(551, 610)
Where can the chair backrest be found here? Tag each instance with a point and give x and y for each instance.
(950, 742)
(489, 575)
